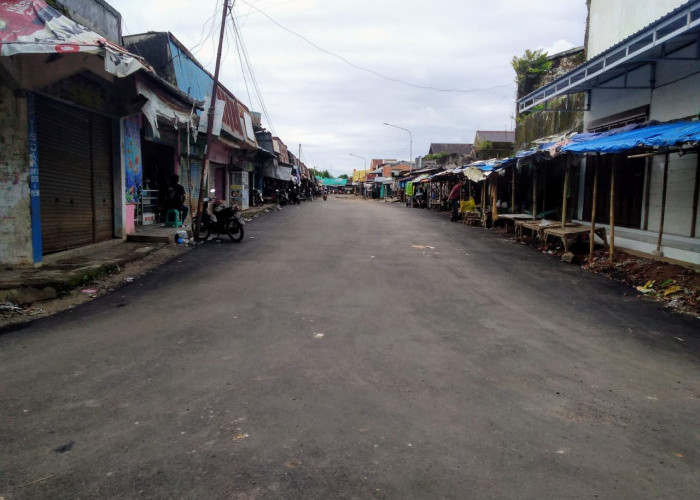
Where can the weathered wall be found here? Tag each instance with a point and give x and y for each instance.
(15, 214)
(96, 15)
(547, 123)
(614, 20)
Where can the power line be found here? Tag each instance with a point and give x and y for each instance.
(253, 79)
(369, 70)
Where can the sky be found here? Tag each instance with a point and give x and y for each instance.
(330, 73)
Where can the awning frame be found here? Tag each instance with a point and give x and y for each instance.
(651, 44)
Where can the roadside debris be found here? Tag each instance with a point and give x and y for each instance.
(675, 285)
(10, 308)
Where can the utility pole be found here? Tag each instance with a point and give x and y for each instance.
(210, 122)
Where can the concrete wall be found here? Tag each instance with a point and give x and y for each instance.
(614, 20)
(15, 213)
(96, 15)
(679, 194)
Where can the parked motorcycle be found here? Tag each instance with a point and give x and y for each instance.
(282, 198)
(221, 220)
(257, 198)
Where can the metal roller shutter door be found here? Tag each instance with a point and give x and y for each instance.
(75, 176)
(65, 177)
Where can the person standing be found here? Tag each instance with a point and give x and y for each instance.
(454, 201)
(176, 197)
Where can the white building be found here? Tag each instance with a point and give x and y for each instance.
(643, 63)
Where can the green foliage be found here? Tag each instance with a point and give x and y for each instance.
(343, 176)
(325, 174)
(436, 156)
(529, 69)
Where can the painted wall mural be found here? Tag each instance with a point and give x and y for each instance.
(133, 170)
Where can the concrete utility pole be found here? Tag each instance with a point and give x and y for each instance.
(210, 122)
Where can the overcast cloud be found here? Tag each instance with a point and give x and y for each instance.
(334, 109)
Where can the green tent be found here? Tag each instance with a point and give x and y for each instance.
(338, 181)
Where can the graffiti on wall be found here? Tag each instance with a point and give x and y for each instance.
(132, 158)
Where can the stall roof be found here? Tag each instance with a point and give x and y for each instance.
(33, 27)
(338, 181)
(654, 136)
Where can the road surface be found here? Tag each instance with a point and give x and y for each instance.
(355, 349)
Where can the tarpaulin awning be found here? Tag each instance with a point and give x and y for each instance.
(281, 172)
(338, 181)
(33, 27)
(655, 136)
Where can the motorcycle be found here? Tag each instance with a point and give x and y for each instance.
(325, 196)
(257, 198)
(221, 220)
(282, 198)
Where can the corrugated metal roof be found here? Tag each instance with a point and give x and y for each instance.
(495, 136)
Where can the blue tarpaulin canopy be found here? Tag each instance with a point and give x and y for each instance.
(655, 136)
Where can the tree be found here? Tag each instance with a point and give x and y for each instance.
(343, 176)
(529, 70)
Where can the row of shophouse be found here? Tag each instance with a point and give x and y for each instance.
(93, 125)
(608, 137)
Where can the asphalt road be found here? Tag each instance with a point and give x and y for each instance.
(355, 349)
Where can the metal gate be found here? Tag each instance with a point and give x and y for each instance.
(75, 175)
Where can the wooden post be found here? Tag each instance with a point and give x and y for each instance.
(210, 123)
(483, 203)
(534, 191)
(594, 207)
(494, 196)
(695, 196)
(663, 205)
(612, 211)
(647, 195)
(566, 191)
(512, 191)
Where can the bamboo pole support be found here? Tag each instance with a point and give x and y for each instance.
(534, 192)
(494, 197)
(612, 211)
(512, 191)
(663, 205)
(594, 208)
(483, 203)
(566, 191)
(695, 197)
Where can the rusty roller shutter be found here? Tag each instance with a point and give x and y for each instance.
(103, 204)
(65, 176)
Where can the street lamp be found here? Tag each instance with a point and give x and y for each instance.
(362, 188)
(410, 147)
(361, 158)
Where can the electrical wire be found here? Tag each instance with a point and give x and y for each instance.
(253, 79)
(369, 70)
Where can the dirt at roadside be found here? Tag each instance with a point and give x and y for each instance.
(13, 315)
(678, 286)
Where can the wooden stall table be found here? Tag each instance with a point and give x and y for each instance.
(513, 218)
(538, 229)
(471, 218)
(573, 231)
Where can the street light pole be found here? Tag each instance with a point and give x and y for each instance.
(361, 158)
(365, 161)
(410, 147)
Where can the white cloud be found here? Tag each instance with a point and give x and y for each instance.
(318, 100)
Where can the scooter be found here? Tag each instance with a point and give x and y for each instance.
(221, 220)
(257, 198)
